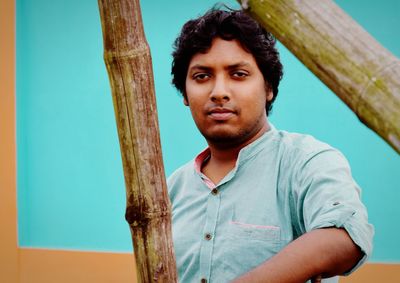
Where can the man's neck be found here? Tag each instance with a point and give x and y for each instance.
(223, 159)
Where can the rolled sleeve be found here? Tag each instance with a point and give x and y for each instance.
(327, 196)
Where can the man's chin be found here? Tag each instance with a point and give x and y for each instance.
(223, 138)
(230, 137)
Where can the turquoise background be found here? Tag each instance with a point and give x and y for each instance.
(71, 191)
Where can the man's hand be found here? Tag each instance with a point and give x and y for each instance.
(321, 253)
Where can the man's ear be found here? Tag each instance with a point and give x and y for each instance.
(185, 101)
(270, 95)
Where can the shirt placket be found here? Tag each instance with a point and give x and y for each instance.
(208, 237)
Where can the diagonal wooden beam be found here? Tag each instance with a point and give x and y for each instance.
(128, 61)
(360, 71)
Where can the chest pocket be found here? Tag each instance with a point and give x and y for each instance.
(244, 231)
(252, 230)
(244, 246)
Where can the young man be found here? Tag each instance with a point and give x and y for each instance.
(259, 204)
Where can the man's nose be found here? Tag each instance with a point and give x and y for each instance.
(220, 91)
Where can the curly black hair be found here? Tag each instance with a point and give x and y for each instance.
(196, 37)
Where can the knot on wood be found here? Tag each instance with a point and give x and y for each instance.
(159, 272)
(136, 217)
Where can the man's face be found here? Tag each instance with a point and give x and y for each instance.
(227, 94)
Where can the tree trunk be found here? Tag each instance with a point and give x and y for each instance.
(340, 53)
(128, 61)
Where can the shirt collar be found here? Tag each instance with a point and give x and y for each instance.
(265, 141)
(245, 153)
(200, 159)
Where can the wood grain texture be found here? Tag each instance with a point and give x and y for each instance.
(128, 61)
(341, 54)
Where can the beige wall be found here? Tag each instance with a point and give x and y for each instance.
(8, 216)
(48, 266)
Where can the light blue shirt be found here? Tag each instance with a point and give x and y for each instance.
(283, 185)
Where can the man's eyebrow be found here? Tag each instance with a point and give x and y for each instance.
(237, 65)
(229, 67)
(200, 67)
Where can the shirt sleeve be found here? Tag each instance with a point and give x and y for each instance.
(326, 195)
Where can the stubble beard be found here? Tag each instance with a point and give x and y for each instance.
(227, 140)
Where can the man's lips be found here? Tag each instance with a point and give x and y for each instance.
(221, 114)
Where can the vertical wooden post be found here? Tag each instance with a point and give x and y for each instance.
(341, 54)
(128, 61)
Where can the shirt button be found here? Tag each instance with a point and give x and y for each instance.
(208, 236)
(203, 280)
(214, 192)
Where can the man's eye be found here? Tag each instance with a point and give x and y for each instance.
(201, 76)
(239, 74)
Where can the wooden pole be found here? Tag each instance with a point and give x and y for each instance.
(340, 53)
(128, 61)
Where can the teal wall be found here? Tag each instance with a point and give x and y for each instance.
(70, 181)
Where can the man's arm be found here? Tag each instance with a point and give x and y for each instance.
(327, 252)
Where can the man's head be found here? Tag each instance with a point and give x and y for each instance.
(197, 36)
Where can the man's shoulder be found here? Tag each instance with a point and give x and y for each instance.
(180, 179)
(299, 149)
(179, 173)
(305, 156)
(302, 144)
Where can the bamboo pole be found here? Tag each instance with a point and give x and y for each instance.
(341, 54)
(128, 62)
